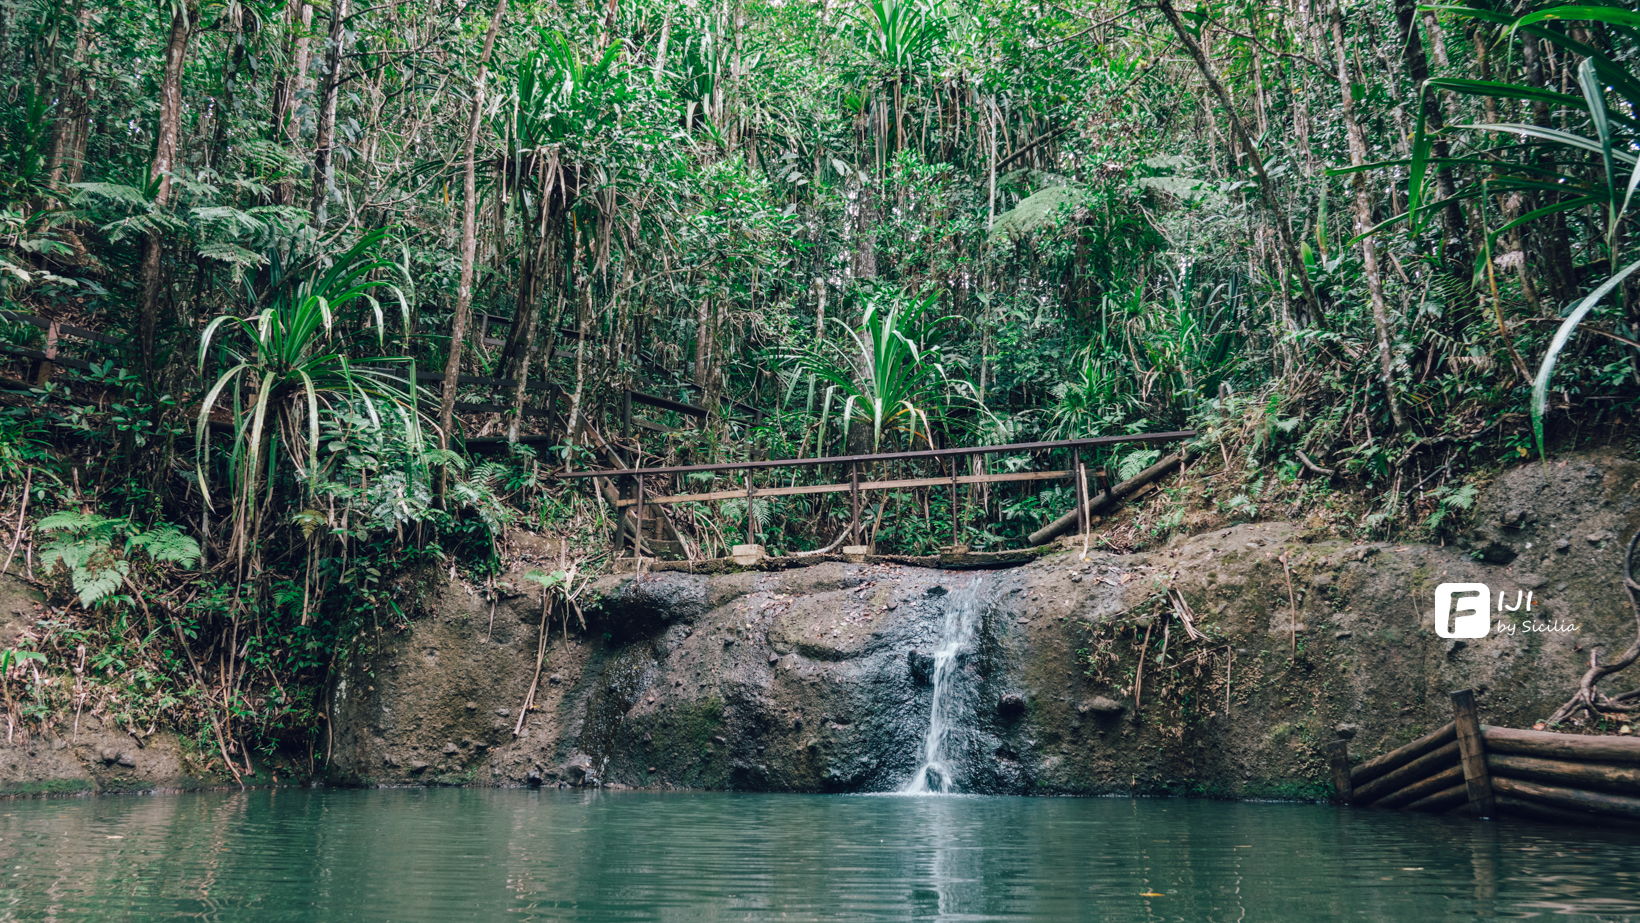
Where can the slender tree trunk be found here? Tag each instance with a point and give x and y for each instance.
(469, 239)
(165, 154)
(1267, 193)
(1551, 233)
(71, 132)
(287, 92)
(325, 127)
(1412, 53)
(1363, 216)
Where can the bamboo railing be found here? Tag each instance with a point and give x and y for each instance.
(1467, 767)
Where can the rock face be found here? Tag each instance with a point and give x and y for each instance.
(819, 679)
(1080, 677)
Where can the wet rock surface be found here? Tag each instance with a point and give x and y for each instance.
(818, 679)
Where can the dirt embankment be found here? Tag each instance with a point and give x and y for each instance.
(818, 678)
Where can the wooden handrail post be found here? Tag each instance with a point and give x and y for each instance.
(751, 519)
(626, 413)
(854, 501)
(1472, 752)
(1338, 756)
(637, 522)
(1080, 489)
(620, 517)
(956, 502)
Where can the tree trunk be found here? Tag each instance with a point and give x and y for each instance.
(165, 153)
(1551, 233)
(71, 130)
(289, 88)
(325, 127)
(1452, 219)
(1363, 216)
(469, 239)
(1278, 217)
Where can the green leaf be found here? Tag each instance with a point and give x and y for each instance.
(1540, 386)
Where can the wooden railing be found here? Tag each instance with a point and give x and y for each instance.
(1465, 766)
(635, 496)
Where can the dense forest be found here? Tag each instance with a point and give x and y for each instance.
(1361, 249)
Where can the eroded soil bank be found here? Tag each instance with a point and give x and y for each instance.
(817, 678)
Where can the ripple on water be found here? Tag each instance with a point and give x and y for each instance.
(404, 856)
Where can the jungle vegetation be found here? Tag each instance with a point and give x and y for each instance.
(1368, 244)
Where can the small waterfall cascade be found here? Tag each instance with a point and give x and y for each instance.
(961, 623)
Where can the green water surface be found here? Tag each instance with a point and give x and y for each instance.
(408, 856)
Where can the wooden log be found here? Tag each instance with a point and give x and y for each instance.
(1472, 750)
(1570, 798)
(1439, 782)
(1416, 771)
(1521, 807)
(1455, 796)
(1562, 746)
(1338, 756)
(1623, 780)
(1402, 755)
(1108, 498)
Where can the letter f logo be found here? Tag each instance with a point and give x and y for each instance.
(1475, 603)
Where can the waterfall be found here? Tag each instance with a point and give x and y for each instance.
(962, 611)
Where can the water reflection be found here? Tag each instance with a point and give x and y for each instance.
(412, 855)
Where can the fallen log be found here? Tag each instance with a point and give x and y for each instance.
(1415, 771)
(1561, 746)
(1418, 791)
(1623, 780)
(1110, 497)
(1557, 797)
(1379, 765)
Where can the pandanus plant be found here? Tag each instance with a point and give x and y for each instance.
(291, 360)
(901, 37)
(559, 103)
(890, 372)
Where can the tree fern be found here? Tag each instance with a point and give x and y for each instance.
(83, 543)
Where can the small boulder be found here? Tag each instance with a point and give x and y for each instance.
(577, 769)
(418, 767)
(1347, 731)
(450, 748)
(126, 760)
(1100, 705)
(1603, 535)
(555, 678)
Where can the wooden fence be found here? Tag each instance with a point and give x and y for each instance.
(1467, 767)
(634, 494)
